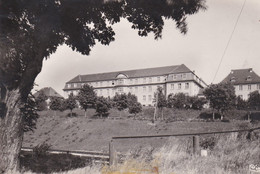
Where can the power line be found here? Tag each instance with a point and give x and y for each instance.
(229, 41)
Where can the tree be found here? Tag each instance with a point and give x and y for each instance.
(241, 104)
(121, 101)
(56, 104)
(221, 97)
(102, 106)
(87, 97)
(41, 101)
(160, 101)
(254, 100)
(32, 30)
(135, 108)
(70, 103)
(133, 105)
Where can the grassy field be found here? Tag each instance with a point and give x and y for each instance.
(81, 133)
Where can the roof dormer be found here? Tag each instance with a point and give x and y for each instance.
(249, 78)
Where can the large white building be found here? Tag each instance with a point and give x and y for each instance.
(141, 82)
(245, 81)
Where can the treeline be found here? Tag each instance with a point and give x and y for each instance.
(219, 97)
(87, 98)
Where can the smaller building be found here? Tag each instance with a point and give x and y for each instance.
(245, 81)
(49, 92)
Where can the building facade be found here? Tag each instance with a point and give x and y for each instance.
(245, 81)
(141, 82)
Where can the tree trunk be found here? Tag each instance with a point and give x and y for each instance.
(85, 113)
(11, 132)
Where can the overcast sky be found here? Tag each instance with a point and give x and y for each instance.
(200, 49)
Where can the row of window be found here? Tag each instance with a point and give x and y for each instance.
(149, 98)
(112, 83)
(179, 86)
(240, 87)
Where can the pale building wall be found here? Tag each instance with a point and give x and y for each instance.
(244, 90)
(143, 87)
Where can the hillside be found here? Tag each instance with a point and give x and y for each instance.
(80, 133)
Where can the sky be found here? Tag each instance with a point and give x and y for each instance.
(201, 49)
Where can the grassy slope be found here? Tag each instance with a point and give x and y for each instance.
(80, 133)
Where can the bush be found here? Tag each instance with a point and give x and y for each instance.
(102, 107)
(41, 149)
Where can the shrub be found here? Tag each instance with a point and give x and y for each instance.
(41, 149)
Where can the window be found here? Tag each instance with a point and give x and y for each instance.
(69, 85)
(96, 83)
(136, 81)
(107, 91)
(107, 83)
(150, 79)
(120, 90)
(184, 76)
(158, 79)
(249, 87)
(150, 97)
(187, 85)
(144, 80)
(172, 86)
(150, 88)
(233, 79)
(101, 83)
(131, 89)
(174, 76)
(131, 81)
(179, 86)
(258, 86)
(240, 87)
(121, 81)
(75, 85)
(144, 98)
(144, 89)
(113, 83)
(136, 89)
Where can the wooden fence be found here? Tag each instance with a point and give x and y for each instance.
(196, 148)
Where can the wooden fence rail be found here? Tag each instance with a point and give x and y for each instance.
(113, 153)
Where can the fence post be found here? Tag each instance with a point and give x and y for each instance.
(112, 154)
(196, 144)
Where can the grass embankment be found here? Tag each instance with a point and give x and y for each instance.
(229, 154)
(81, 133)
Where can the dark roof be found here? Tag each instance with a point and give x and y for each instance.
(131, 73)
(49, 92)
(242, 76)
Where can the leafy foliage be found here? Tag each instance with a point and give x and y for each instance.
(221, 96)
(121, 101)
(29, 114)
(70, 103)
(102, 106)
(41, 101)
(87, 97)
(135, 108)
(56, 103)
(254, 100)
(161, 99)
(241, 104)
